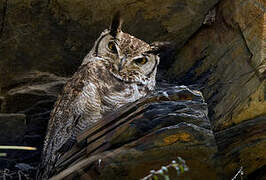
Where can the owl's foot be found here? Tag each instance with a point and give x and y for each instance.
(68, 145)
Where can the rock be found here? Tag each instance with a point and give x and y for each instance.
(242, 145)
(31, 78)
(12, 128)
(54, 36)
(135, 160)
(1, 102)
(226, 61)
(145, 135)
(31, 91)
(150, 133)
(33, 95)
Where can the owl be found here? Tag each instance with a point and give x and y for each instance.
(118, 70)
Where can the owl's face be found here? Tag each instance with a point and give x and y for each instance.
(131, 59)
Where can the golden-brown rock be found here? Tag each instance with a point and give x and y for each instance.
(226, 60)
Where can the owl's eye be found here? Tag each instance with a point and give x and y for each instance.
(112, 47)
(141, 61)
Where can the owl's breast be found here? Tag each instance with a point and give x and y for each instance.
(102, 92)
(115, 94)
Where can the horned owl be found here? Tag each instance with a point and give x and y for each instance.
(119, 69)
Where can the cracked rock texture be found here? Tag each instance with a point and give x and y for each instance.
(227, 61)
(219, 49)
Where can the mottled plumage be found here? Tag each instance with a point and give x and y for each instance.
(119, 69)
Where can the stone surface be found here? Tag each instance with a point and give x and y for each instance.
(12, 128)
(1, 102)
(134, 161)
(242, 145)
(226, 60)
(32, 95)
(141, 142)
(145, 135)
(32, 89)
(54, 35)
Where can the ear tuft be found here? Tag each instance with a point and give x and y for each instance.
(116, 24)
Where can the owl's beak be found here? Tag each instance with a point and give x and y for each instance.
(122, 63)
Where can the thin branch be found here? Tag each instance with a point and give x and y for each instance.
(240, 172)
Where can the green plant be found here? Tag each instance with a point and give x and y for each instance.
(179, 166)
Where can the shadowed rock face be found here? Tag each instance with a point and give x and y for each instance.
(15, 123)
(55, 35)
(218, 50)
(227, 61)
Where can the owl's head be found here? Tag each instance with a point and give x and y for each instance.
(131, 59)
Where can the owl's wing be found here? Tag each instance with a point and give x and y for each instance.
(64, 118)
(77, 108)
(60, 126)
(57, 140)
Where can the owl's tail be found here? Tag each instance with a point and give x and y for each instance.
(48, 160)
(46, 167)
